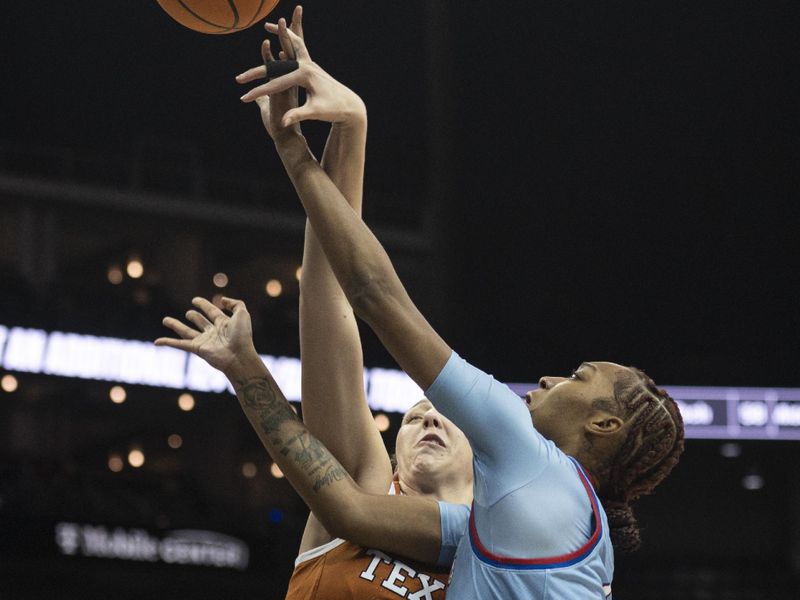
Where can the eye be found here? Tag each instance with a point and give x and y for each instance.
(574, 374)
(413, 418)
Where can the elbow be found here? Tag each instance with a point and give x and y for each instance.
(334, 527)
(369, 297)
(347, 522)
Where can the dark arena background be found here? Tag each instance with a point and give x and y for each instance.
(555, 182)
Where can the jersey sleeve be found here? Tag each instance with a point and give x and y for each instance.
(454, 519)
(494, 419)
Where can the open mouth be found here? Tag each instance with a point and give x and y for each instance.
(431, 438)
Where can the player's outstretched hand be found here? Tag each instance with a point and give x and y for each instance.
(274, 107)
(223, 341)
(327, 99)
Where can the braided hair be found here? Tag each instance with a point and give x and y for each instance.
(651, 449)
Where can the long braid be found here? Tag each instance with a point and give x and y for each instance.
(651, 449)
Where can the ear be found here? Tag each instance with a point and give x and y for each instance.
(604, 424)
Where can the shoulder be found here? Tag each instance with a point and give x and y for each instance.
(463, 382)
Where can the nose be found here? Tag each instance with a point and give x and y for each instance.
(547, 383)
(432, 419)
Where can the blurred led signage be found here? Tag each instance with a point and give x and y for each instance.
(185, 547)
(708, 412)
(137, 362)
(733, 413)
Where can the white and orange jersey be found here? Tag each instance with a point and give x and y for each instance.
(340, 570)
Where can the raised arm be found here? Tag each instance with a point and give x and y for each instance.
(406, 525)
(365, 271)
(360, 263)
(334, 403)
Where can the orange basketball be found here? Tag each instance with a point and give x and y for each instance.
(217, 16)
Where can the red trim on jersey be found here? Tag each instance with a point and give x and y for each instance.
(550, 559)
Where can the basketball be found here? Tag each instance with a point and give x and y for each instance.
(217, 16)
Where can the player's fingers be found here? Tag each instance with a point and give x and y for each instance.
(212, 312)
(173, 343)
(198, 320)
(181, 329)
(283, 36)
(266, 51)
(296, 115)
(259, 72)
(233, 305)
(277, 85)
(298, 45)
(294, 43)
(297, 21)
(264, 108)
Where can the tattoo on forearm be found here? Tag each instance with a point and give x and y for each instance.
(307, 452)
(314, 459)
(258, 395)
(334, 473)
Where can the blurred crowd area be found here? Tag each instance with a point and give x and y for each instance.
(110, 244)
(66, 445)
(104, 254)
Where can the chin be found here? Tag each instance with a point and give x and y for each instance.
(430, 464)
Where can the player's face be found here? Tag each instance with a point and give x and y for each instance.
(561, 406)
(430, 446)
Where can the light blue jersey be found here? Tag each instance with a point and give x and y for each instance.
(537, 529)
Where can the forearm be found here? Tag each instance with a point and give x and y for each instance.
(364, 270)
(314, 473)
(334, 404)
(343, 162)
(344, 156)
(406, 525)
(356, 256)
